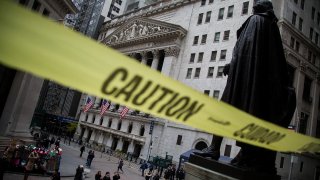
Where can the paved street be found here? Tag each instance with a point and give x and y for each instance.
(70, 160)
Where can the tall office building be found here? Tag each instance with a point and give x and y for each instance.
(89, 17)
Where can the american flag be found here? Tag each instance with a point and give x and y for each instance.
(104, 107)
(124, 112)
(88, 105)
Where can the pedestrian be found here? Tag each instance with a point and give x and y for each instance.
(116, 176)
(90, 158)
(180, 174)
(258, 84)
(148, 175)
(31, 161)
(167, 173)
(120, 165)
(53, 140)
(98, 176)
(172, 172)
(81, 150)
(79, 173)
(143, 167)
(55, 175)
(106, 176)
(156, 176)
(57, 143)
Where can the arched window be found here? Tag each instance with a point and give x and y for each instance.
(201, 145)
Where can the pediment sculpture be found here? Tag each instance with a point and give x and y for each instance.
(140, 29)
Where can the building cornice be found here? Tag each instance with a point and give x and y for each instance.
(146, 11)
(114, 132)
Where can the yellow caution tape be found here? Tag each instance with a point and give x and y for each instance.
(31, 43)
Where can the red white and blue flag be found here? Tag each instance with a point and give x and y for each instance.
(88, 105)
(124, 112)
(104, 107)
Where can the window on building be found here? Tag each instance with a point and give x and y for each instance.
(292, 41)
(316, 38)
(302, 4)
(200, 57)
(318, 19)
(309, 56)
(93, 118)
(203, 2)
(119, 125)
(301, 166)
(226, 35)
(216, 37)
(291, 72)
(211, 1)
(311, 34)
(46, 13)
(313, 11)
(86, 119)
(230, 11)
(306, 89)
(110, 123)
(300, 24)
(313, 61)
(24, 2)
(192, 56)
(295, 1)
(216, 94)
(213, 55)
(220, 71)
(179, 140)
(210, 72)
(227, 150)
(130, 127)
(208, 16)
(297, 48)
(281, 162)
(119, 2)
(142, 129)
(221, 12)
(294, 18)
(36, 6)
(189, 73)
(204, 39)
(101, 121)
(303, 123)
(206, 92)
(223, 55)
(245, 8)
(200, 18)
(195, 40)
(197, 73)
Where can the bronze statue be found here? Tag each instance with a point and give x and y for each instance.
(258, 84)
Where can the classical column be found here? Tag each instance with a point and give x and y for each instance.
(155, 61)
(131, 146)
(315, 106)
(20, 106)
(299, 85)
(171, 55)
(120, 144)
(101, 137)
(143, 57)
(97, 102)
(93, 135)
(109, 142)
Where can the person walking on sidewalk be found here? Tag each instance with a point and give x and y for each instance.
(120, 165)
(98, 176)
(90, 158)
(79, 173)
(116, 176)
(106, 176)
(81, 150)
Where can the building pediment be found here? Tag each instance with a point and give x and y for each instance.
(143, 30)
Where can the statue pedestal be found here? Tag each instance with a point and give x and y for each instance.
(199, 168)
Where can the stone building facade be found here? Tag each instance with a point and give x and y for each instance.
(192, 40)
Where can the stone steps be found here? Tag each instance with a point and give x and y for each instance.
(4, 142)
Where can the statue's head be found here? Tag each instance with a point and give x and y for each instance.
(262, 6)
